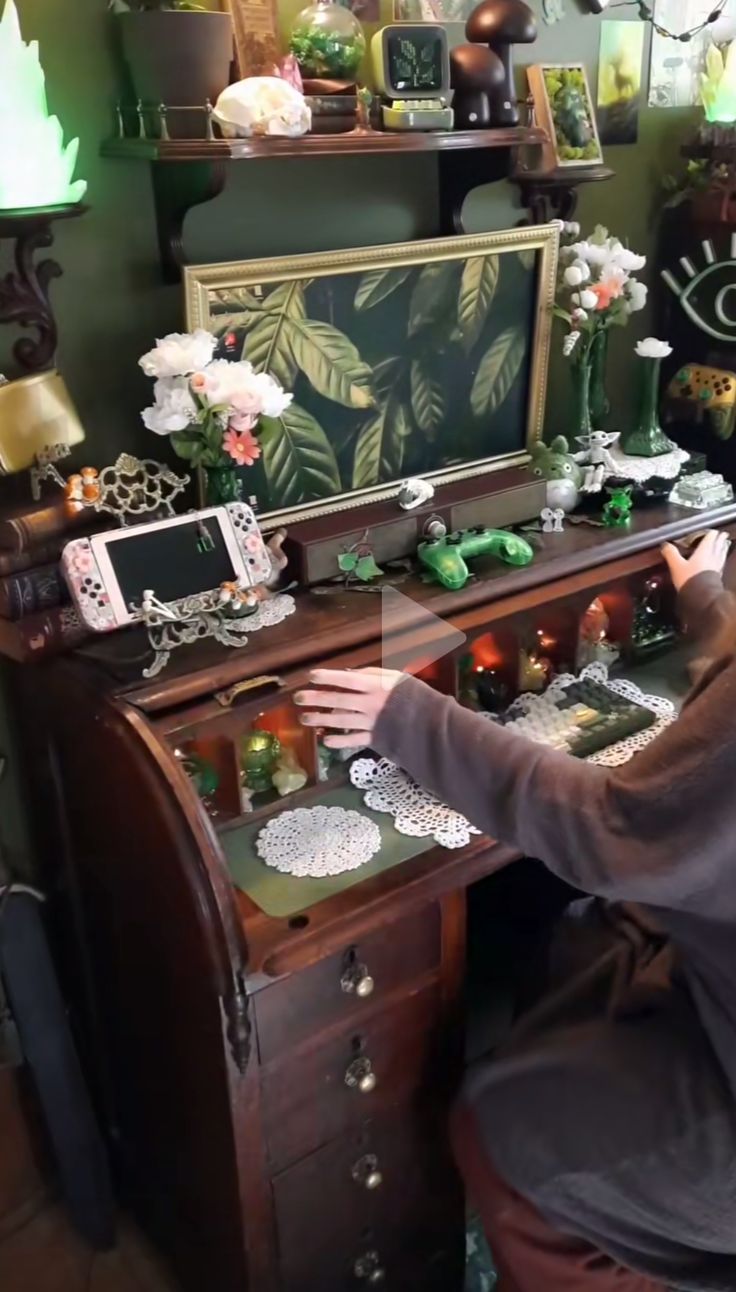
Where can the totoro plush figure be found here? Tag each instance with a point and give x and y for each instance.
(555, 464)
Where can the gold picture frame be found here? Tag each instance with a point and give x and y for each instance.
(477, 370)
(563, 150)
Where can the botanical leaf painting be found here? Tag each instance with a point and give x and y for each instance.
(397, 371)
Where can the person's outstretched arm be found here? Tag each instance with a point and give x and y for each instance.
(657, 830)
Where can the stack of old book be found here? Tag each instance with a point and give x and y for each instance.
(36, 615)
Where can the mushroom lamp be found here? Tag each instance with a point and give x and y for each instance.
(476, 74)
(500, 24)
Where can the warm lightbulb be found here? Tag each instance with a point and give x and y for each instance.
(36, 168)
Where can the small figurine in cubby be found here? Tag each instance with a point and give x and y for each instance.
(593, 643)
(492, 692)
(203, 774)
(652, 627)
(289, 776)
(260, 754)
(555, 463)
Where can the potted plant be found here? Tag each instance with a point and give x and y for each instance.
(177, 54)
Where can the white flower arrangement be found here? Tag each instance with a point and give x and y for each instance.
(209, 407)
(651, 348)
(596, 288)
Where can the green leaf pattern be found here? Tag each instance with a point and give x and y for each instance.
(378, 284)
(427, 397)
(331, 362)
(477, 289)
(497, 372)
(298, 459)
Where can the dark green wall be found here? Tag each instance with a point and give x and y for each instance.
(110, 303)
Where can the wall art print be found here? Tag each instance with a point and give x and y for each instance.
(426, 358)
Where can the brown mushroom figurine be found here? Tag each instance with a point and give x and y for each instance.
(476, 74)
(500, 24)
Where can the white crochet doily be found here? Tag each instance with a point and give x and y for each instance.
(318, 841)
(416, 812)
(666, 465)
(270, 613)
(613, 755)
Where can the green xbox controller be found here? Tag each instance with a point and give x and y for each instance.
(445, 557)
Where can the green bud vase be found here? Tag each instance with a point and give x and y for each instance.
(222, 485)
(600, 405)
(647, 439)
(581, 369)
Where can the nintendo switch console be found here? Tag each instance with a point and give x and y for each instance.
(177, 558)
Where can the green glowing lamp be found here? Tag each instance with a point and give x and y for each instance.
(718, 85)
(36, 169)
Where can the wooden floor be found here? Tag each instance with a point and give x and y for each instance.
(45, 1255)
(39, 1251)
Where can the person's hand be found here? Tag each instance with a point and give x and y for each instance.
(350, 704)
(710, 554)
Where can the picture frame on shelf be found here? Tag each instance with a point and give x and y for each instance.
(564, 107)
(418, 359)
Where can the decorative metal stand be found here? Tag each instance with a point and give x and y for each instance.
(181, 623)
(24, 293)
(133, 489)
(45, 468)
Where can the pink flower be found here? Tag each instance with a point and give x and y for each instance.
(82, 561)
(253, 543)
(242, 446)
(243, 422)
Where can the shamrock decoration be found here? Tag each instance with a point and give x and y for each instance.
(359, 563)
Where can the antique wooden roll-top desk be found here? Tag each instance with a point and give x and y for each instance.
(274, 1058)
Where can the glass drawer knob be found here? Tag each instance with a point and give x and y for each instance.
(356, 979)
(369, 1269)
(360, 1076)
(366, 1172)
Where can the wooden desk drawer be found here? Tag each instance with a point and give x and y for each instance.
(329, 1216)
(316, 1096)
(347, 984)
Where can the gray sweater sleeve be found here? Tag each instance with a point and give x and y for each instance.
(658, 830)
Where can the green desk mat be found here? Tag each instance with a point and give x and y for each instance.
(283, 895)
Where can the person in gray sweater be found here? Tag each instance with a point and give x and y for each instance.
(599, 1143)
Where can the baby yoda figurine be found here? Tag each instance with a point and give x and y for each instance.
(555, 464)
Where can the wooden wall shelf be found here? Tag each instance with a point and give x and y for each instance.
(188, 172)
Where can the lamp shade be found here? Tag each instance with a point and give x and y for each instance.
(35, 413)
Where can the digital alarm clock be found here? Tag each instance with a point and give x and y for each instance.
(411, 67)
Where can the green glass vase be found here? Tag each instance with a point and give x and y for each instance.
(646, 439)
(582, 370)
(222, 485)
(600, 405)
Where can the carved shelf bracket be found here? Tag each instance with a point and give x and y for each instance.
(24, 291)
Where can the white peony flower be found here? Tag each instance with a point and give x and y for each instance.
(636, 295)
(588, 299)
(572, 229)
(573, 275)
(179, 354)
(174, 408)
(569, 343)
(274, 400)
(590, 252)
(579, 316)
(651, 348)
(628, 260)
(219, 379)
